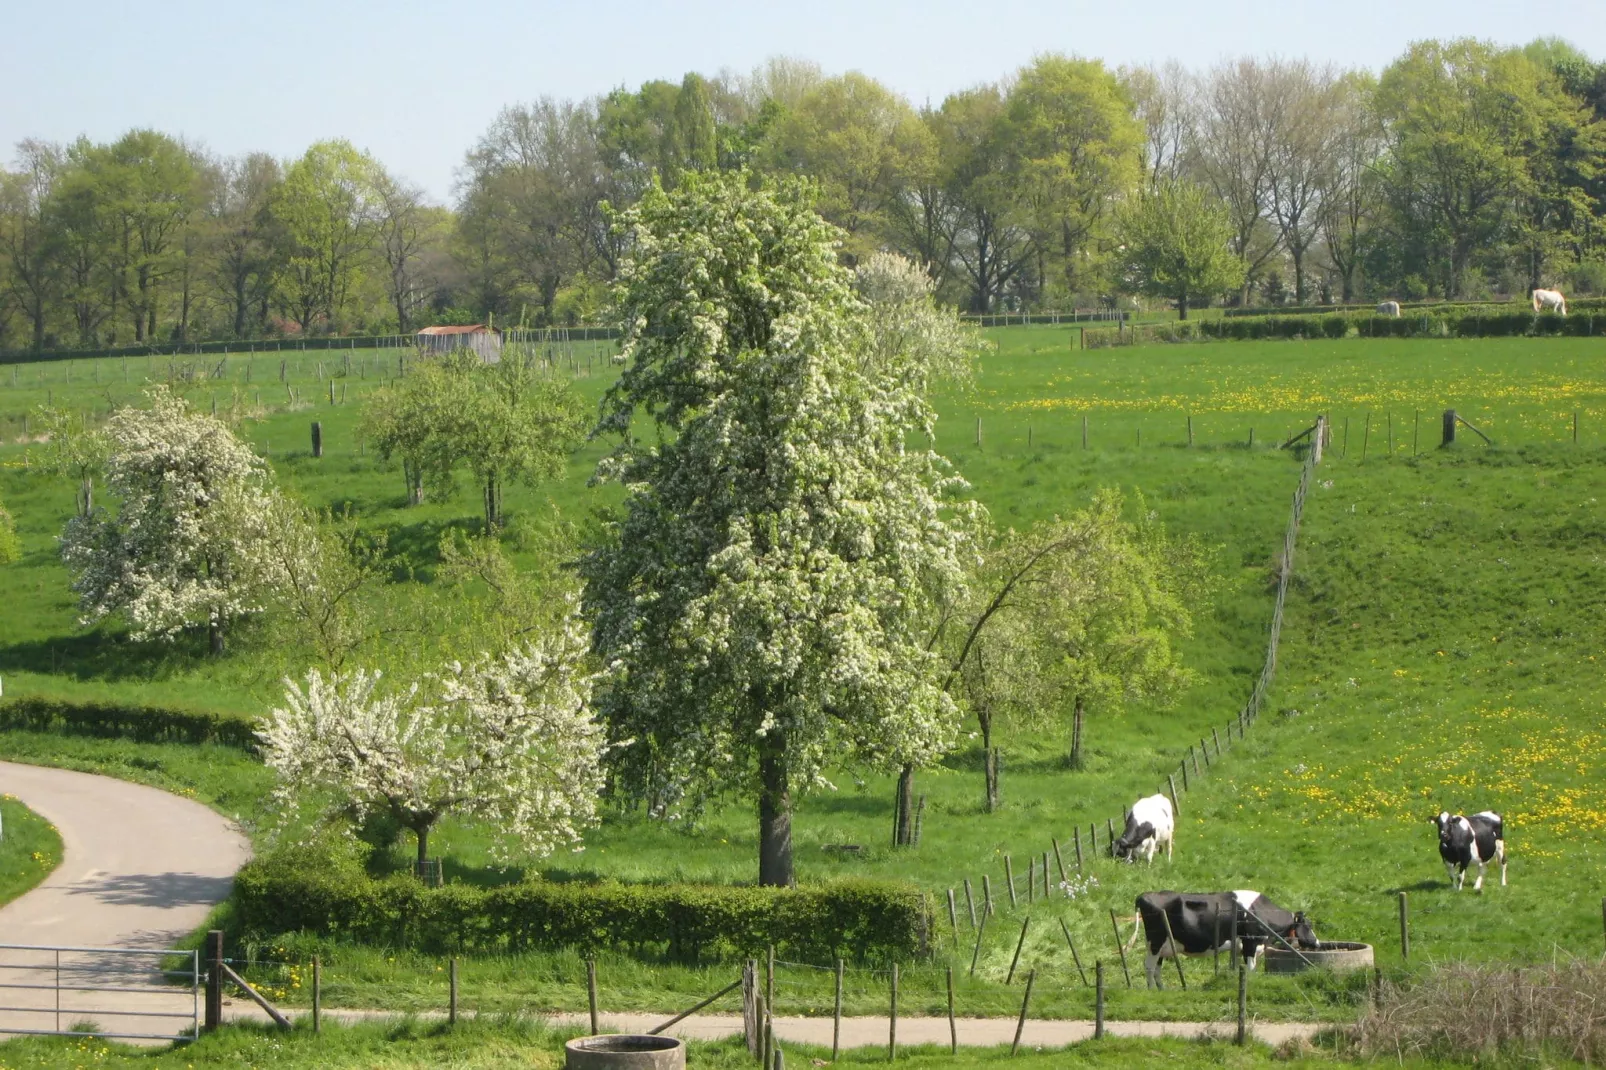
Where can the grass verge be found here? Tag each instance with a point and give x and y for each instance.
(29, 849)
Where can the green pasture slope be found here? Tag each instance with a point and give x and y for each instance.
(1440, 650)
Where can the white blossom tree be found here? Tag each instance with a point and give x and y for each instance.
(510, 740)
(176, 553)
(764, 596)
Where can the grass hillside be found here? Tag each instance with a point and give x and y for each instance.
(29, 849)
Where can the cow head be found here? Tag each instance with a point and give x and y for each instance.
(1302, 934)
(1127, 845)
(1442, 821)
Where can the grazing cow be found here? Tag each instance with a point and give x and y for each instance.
(1550, 301)
(1149, 824)
(1202, 922)
(1388, 308)
(1476, 840)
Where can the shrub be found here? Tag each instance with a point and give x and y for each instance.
(292, 891)
(145, 724)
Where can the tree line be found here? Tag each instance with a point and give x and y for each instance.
(1462, 170)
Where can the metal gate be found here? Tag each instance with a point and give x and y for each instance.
(114, 992)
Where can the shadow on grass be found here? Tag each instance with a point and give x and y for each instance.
(99, 654)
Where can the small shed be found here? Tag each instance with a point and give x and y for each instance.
(483, 340)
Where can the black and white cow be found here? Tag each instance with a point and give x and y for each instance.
(1149, 826)
(1202, 922)
(1476, 841)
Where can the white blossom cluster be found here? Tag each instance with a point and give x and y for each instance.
(770, 591)
(177, 550)
(508, 739)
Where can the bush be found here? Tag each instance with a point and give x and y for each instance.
(145, 724)
(292, 891)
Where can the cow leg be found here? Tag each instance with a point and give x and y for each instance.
(1169, 841)
(1151, 969)
(1449, 871)
(1477, 885)
(1500, 853)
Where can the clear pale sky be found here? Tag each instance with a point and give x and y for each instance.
(416, 83)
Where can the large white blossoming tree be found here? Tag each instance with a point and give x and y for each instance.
(764, 598)
(508, 739)
(176, 551)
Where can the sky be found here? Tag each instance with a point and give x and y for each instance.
(416, 83)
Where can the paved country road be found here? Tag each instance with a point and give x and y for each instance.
(141, 868)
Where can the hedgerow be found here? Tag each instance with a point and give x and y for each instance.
(1501, 324)
(144, 724)
(861, 920)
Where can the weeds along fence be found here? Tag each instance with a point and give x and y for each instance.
(1200, 757)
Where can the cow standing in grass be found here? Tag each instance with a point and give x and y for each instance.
(1388, 308)
(1550, 301)
(1466, 841)
(1149, 824)
(1198, 923)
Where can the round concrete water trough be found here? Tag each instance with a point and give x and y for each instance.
(1336, 955)
(625, 1051)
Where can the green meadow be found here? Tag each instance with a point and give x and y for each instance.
(1441, 650)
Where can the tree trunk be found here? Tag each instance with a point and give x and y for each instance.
(86, 496)
(1182, 307)
(1076, 734)
(774, 813)
(903, 825)
(214, 635)
(1299, 276)
(989, 763)
(422, 832)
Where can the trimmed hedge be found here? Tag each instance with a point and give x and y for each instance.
(146, 724)
(857, 919)
(1411, 325)
(1578, 304)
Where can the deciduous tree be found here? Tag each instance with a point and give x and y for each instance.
(1177, 244)
(509, 740)
(763, 597)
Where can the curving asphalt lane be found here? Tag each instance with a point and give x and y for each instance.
(141, 868)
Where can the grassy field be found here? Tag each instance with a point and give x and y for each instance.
(1442, 649)
(29, 850)
(495, 1045)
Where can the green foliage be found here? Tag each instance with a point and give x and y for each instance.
(1177, 245)
(327, 209)
(1424, 323)
(764, 598)
(292, 891)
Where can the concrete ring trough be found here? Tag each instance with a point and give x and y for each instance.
(1337, 955)
(625, 1051)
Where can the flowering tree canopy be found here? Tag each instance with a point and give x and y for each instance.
(508, 739)
(764, 598)
(175, 553)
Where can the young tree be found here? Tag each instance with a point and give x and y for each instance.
(763, 597)
(407, 420)
(1177, 244)
(509, 740)
(176, 554)
(72, 449)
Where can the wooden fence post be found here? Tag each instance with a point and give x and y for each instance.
(1058, 861)
(836, 1015)
(317, 994)
(1366, 436)
(317, 439)
(1025, 1002)
(1176, 808)
(892, 1018)
(1076, 834)
(970, 903)
(1243, 1004)
(1405, 927)
(1077, 959)
(1009, 876)
(953, 917)
(1024, 922)
(980, 931)
(451, 981)
(986, 896)
(214, 980)
(1119, 946)
(591, 992)
(953, 1026)
(1449, 428)
(1098, 1000)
